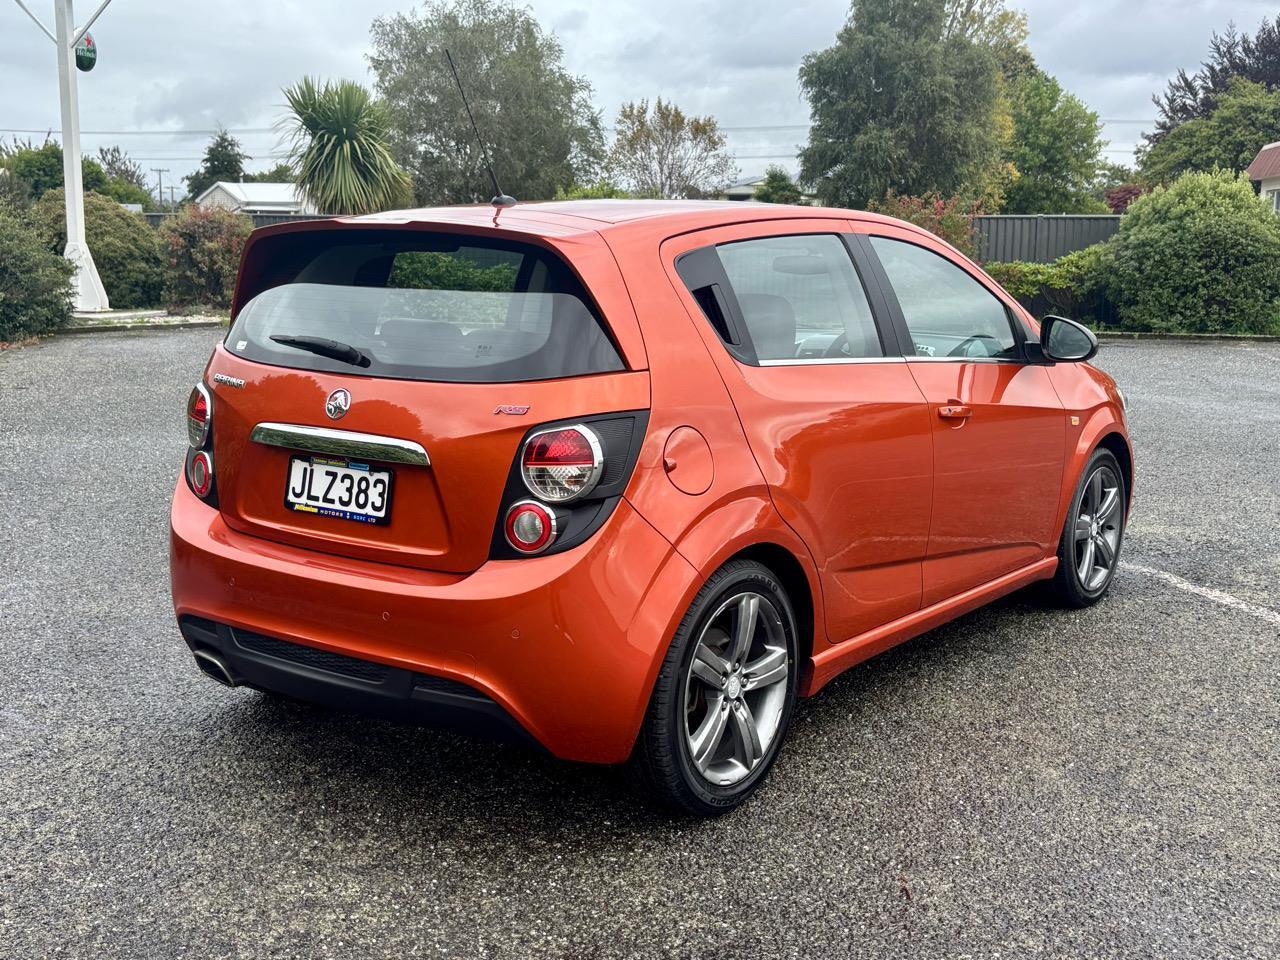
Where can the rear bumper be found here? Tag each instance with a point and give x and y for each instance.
(347, 683)
(563, 648)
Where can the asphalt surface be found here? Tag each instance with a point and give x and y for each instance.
(1020, 783)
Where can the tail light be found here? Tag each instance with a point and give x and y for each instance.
(576, 471)
(530, 527)
(562, 464)
(201, 473)
(199, 464)
(199, 416)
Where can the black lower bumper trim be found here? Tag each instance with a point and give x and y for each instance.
(350, 683)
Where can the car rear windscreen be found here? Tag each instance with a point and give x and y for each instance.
(422, 307)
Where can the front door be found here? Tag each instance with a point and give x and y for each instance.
(999, 429)
(828, 405)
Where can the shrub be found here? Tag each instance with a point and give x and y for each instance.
(952, 219)
(1200, 256)
(1119, 198)
(35, 284)
(1072, 286)
(125, 248)
(203, 248)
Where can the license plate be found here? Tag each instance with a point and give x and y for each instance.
(346, 489)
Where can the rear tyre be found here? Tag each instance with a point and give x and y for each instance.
(724, 695)
(1089, 548)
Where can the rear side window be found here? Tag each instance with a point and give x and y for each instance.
(424, 307)
(947, 311)
(784, 298)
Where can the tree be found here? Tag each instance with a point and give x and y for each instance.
(665, 153)
(118, 165)
(1231, 55)
(282, 172)
(340, 151)
(223, 160)
(40, 168)
(1056, 149)
(777, 187)
(993, 25)
(896, 106)
(538, 121)
(1244, 119)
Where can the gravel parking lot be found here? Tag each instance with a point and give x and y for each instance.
(1020, 783)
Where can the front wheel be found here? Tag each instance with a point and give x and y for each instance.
(723, 698)
(1089, 549)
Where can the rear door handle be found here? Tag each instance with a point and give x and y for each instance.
(955, 411)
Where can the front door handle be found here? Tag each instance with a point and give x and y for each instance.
(955, 411)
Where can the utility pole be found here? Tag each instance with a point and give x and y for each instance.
(89, 294)
(173, 204)
(159, 172)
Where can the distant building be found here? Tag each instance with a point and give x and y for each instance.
(1266, 170)
(255, 198)
(744, 189)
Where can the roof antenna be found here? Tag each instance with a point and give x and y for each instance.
(500, 199)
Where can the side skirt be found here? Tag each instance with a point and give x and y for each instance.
(831, 662)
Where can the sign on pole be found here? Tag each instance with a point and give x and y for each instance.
(86, 53)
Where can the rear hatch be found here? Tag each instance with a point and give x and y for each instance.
(376, 385)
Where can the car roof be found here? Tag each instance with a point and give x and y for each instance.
(565, 217)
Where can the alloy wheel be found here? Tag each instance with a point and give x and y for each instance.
(1098, 528)
(736, 688)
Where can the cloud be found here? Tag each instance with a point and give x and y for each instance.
(191, 66)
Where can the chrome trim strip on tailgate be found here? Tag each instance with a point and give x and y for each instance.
(340, 443)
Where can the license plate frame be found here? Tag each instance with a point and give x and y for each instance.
(336, 510)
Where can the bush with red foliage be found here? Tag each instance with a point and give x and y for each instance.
(1119, 198)
(203, 249)
(951, 219)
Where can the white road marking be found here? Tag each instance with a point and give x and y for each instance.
(1217, 596)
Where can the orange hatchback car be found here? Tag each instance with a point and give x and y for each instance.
(623, 479)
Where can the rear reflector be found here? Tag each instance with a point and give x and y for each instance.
(530, 527)
(199, 414)
(201, 473)
(562, 464)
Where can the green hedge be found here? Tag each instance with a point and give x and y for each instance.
(35, 284)
(1199, 256)
(1073, 286)
(125, 247)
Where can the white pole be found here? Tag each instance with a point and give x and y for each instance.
(89, 294)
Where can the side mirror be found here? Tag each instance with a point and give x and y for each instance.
(1067, 341)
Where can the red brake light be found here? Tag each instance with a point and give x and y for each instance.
(562, 464)
(199, 416)
(530, 527)
(200, 473)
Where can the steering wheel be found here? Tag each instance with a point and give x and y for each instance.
(965, 347)
(839, 347)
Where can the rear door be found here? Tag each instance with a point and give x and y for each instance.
(999, 429)
(833, 417)
(462, 345)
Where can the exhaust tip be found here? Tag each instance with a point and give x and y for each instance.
(212, 666)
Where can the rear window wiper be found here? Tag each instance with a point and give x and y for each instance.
(334, 349)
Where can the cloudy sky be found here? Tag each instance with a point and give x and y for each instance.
(169, 72)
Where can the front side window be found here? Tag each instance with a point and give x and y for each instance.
(423, 307)
(948, 313)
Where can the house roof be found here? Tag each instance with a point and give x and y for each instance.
(255, 194)
(1266, 164)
